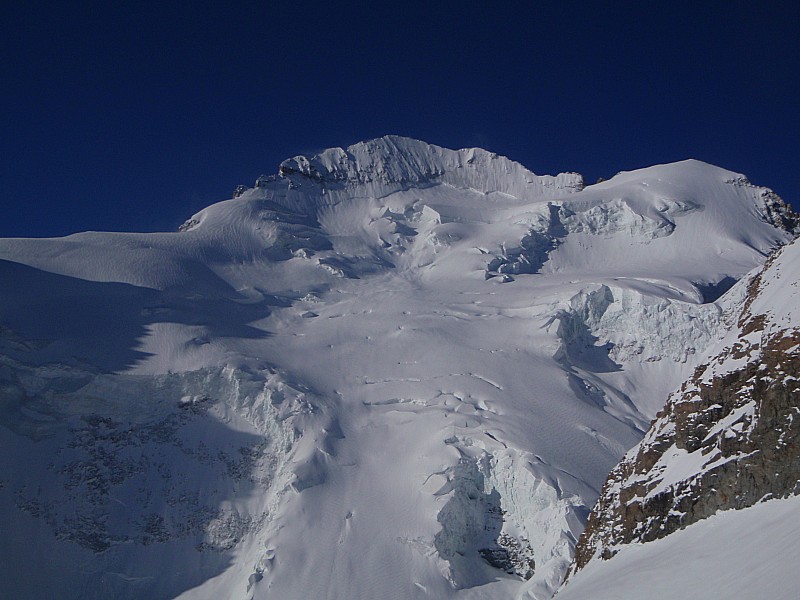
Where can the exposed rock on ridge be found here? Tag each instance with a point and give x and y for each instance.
(729, 438)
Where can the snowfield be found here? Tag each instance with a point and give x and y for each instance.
(737, 554)
(389, 371)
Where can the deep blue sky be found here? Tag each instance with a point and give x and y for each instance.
(131, 116)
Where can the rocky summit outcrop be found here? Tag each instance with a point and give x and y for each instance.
(729, 437)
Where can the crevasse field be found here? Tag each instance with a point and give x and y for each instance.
(391, 371)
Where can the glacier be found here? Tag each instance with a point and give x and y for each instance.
(392, 370)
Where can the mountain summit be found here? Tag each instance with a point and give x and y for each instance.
(397, 160)
(388, 371)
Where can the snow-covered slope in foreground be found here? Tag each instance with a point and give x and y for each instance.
(390, 371)
(737, 555)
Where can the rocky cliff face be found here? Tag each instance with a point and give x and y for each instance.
(729, 437)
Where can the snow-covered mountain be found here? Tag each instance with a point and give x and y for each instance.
(388, 371)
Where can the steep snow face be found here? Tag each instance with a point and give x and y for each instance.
(150, 483)
(392, 370)
(728, 438)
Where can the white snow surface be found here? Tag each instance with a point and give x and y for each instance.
(736, 554)
(777, 303)
(350, 379)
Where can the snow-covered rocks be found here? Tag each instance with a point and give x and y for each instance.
(729, 437)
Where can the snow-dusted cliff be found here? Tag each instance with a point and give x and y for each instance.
(392, 370)
(729, 438)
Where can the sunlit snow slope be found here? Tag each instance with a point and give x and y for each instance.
(390, 371)
(737, 555)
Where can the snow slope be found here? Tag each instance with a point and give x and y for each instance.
(708, 560)
(392, 370)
